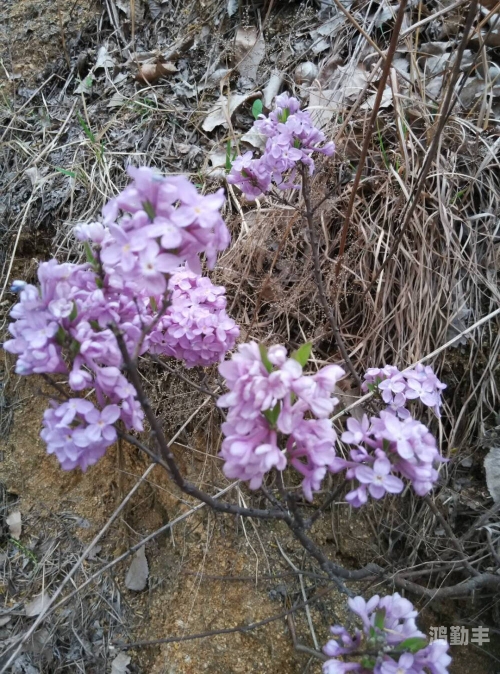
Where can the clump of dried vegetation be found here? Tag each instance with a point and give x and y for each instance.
(137, 83)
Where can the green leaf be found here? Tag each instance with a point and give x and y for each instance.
(99, 282)
(302, 354)
(257, 108)
(153, 304)
(263, 354)
(86, 129)
(94, 325)
(380, 618)
(284, 115)
(150, 211)
(70, 174)
(229, 163)
(74, 312)
(74, 348)
(60, 335)
(89, 254)
(272, 415)
(367, 662)
(413, 644)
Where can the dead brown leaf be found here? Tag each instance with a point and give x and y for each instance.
(249, 50)
(151, 72)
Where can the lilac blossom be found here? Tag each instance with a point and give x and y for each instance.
(195, 328)
(385, 449)
(72, 438)
(388, 643)
(396, 387)
(268, 392)
(292, 138)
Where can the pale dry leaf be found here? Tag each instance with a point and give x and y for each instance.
(271, 90)
(433, 48)
(330, 28)
(120, 77)
(217, 159)
(319, 45)
(352, 81)
(119, 664)
(223, 110)
(125, 6)
(255, 139)
(232, 7)
(14, 520)
(37, 605)
(138, 573)
(32, 174)
(384, 103)
(116, 100)
(4, 619)
(184, 89)
(436, 65)
(249, 50)
(433, 87)
(492, 470)
(323, 35)
(85, 86)
(104, 59)
(401, 65)
(384, 14)
(323, 104)
(471, 91)
(157, 8)
(218, 75)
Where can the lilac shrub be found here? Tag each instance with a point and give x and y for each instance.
(389, 641)
(67, 325)
(292, 138)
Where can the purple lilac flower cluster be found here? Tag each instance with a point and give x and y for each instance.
(396, 387)
(167, 223)
(62, 327)
(269, 394)
(388, 643)
(195, 328)
(291, 139)
(383, 447)
(67, 324)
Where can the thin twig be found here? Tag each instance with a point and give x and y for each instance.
(369, 131)
(318, 276)
(455, 542)
(479, 522)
